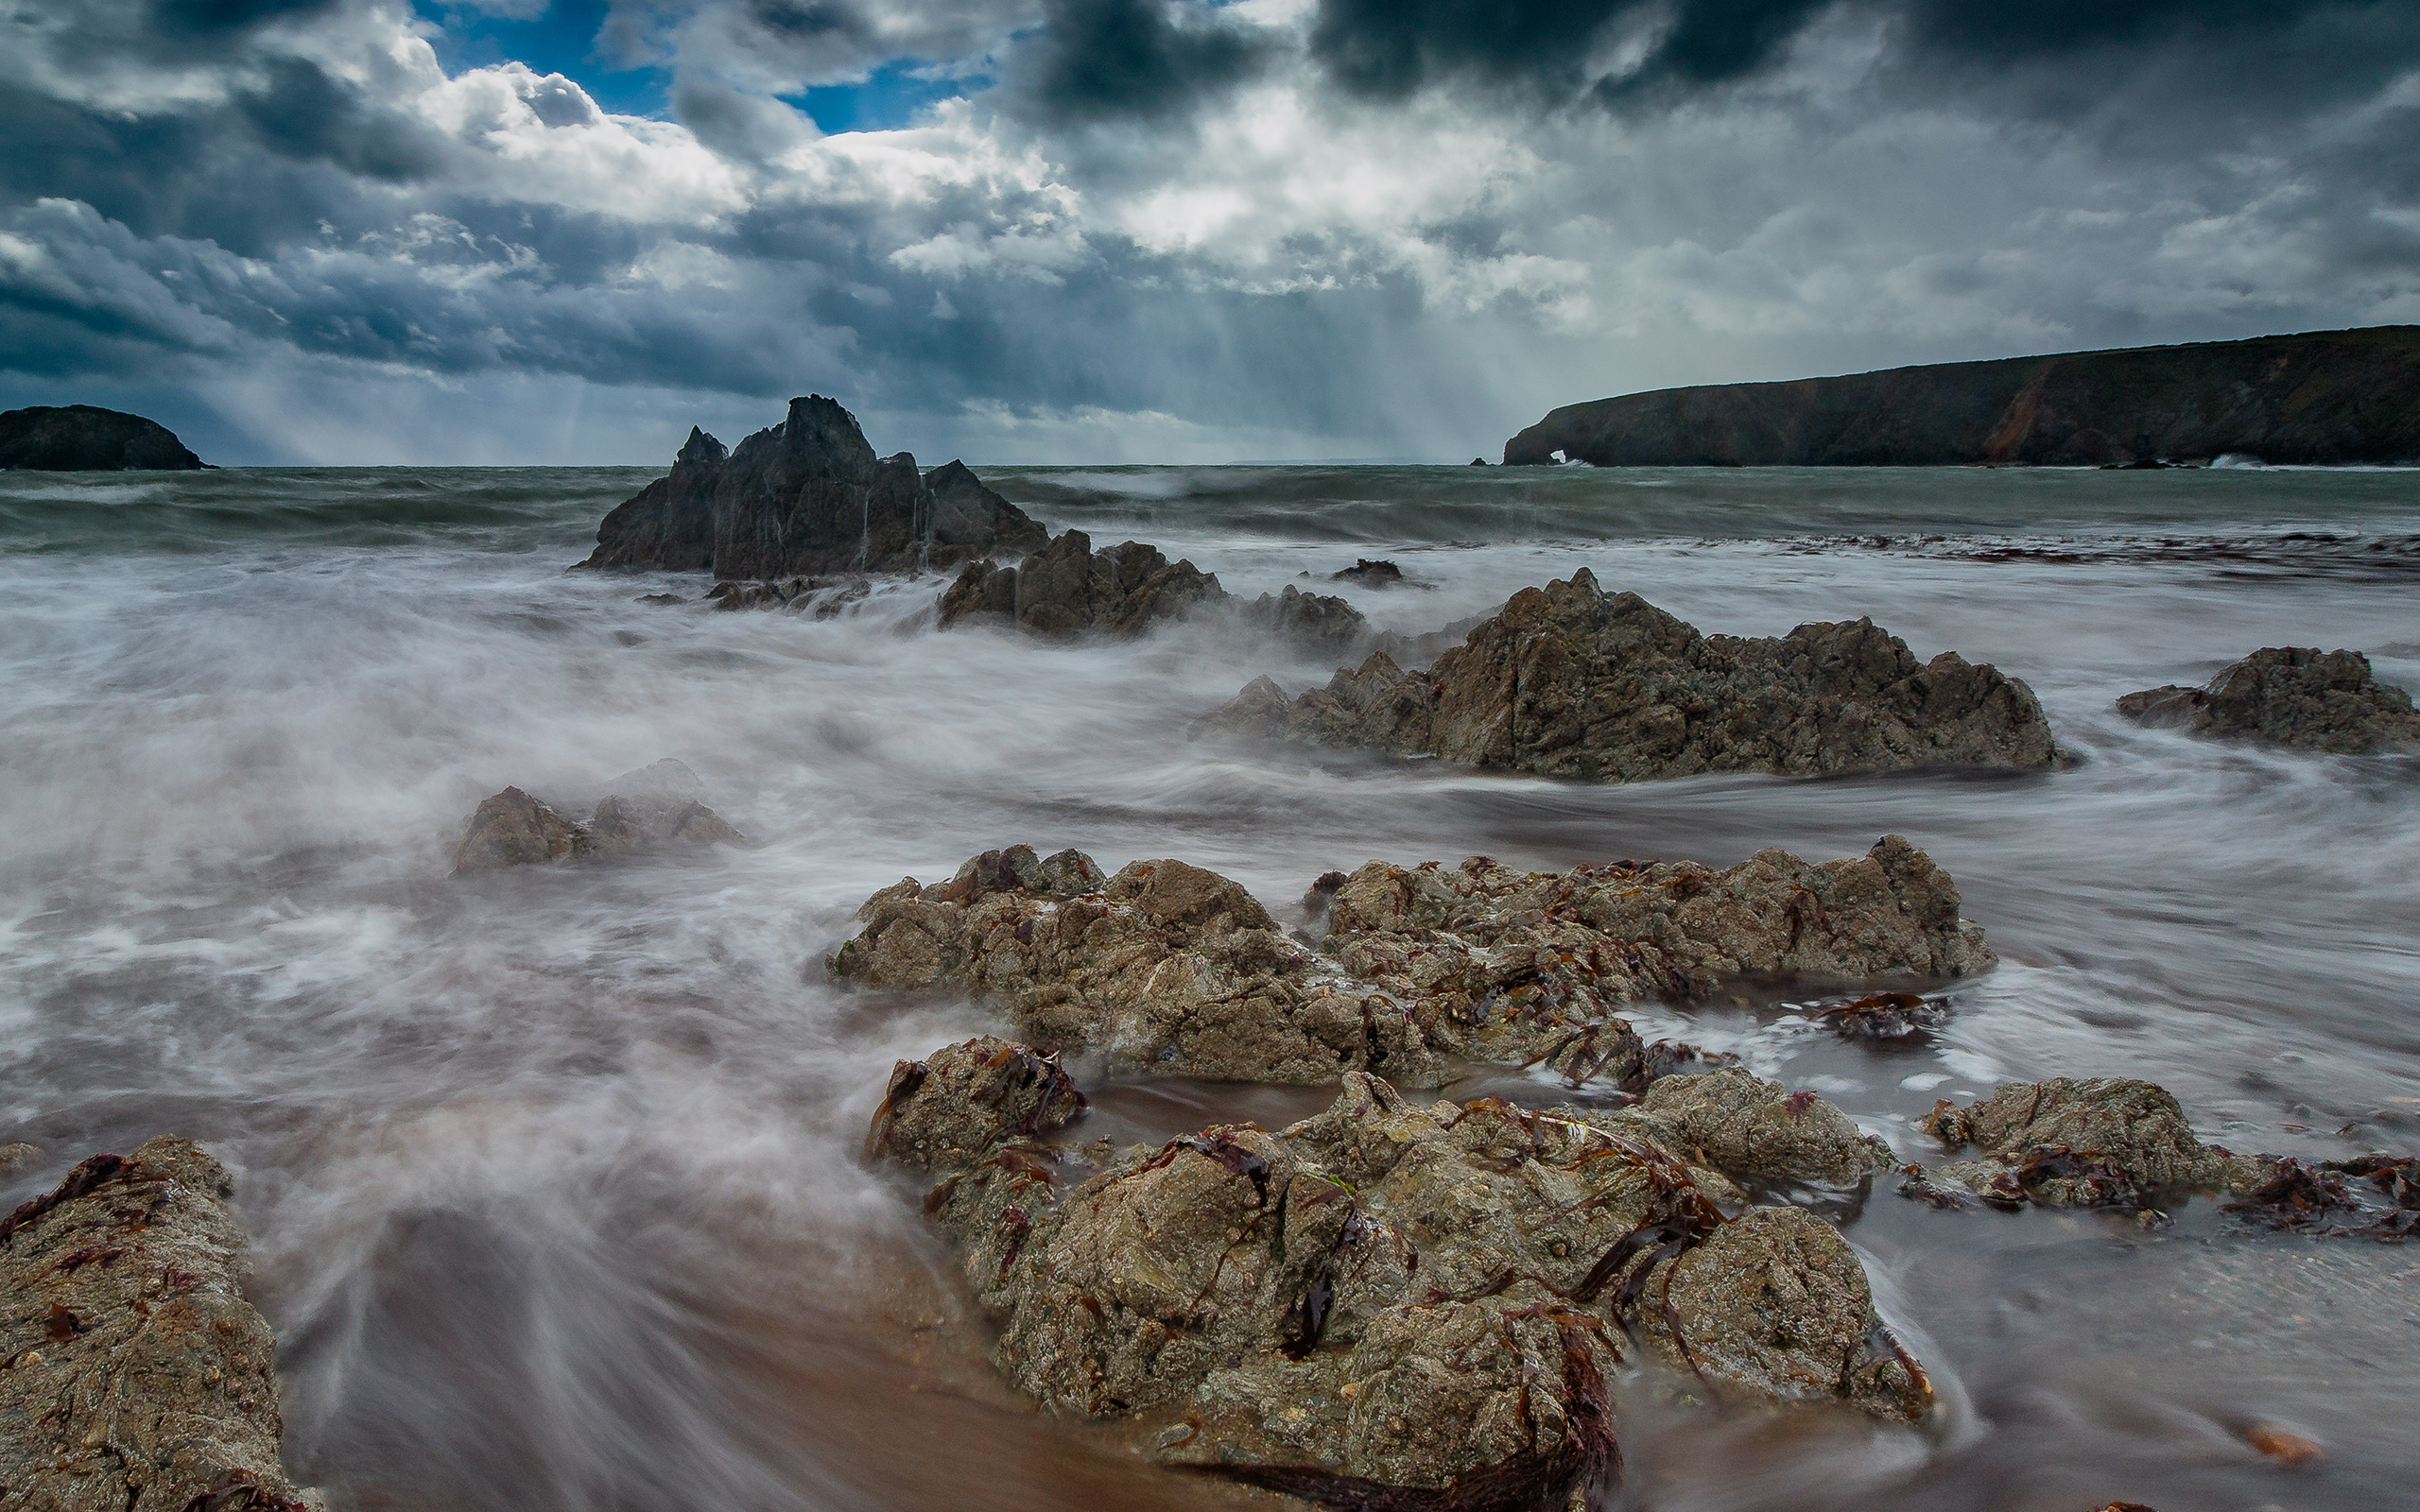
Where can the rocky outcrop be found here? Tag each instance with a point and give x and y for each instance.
(2299, 697)
(80, 439)
(808, 496)
(1386, 1304)
(656, 805)
(134, 1377)
(2115, 1142)
(2338, 396)
(1066, 589)
(2100, 1142)
(1171, 968)
(1570, 682)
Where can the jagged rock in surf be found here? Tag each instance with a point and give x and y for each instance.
(514, 830)
(822, 598)
(2299, 697)
(808, 496)
(1370, 574)
(1169, 969)
(656, 805)
(1066, 589)
(1386, 1305)
(2069, 1142)
(1572, 682)
(1505, 964)
(81, 438)
(134, 1374)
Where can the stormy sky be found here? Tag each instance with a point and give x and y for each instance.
(561, 231)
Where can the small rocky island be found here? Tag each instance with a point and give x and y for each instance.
(81, 438)
(2334, 396)
(808, 496)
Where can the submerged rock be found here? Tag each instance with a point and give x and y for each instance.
(656, 805)
(83, 438)
(134, 1374)
(1171, 968)
(1387, 1299)
(1570, 682)
(805, 497)
(2295, 697)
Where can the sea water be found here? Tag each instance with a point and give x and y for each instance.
(550, 1171)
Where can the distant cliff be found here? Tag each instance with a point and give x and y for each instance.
(80, 439)
(2334, 396)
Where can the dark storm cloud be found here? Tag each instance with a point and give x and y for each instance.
(300, 111)
(1389, 49)
(1562, 49)
(1136, 59)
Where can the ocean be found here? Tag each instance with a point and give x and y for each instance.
(550, 1173)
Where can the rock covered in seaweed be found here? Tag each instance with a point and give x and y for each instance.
(808, 496)
(134, 1374)
(1388, 1298)
(1570, 682)
(1171, 968)
(2116, 1142)
(655, 805)
(2298, 697)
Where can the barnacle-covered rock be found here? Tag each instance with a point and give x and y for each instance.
(1395, 1296)
(1167, 967)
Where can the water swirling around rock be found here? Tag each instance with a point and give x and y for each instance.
(549, 1172)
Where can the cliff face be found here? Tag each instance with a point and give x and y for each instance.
(808, 496)
(2339, 396)
(80, 439)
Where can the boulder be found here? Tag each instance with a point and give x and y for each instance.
(1066, 589)
(1758, 1131)
(656, 806)
(2069, 1142)
(134, 1377)
(1570, 682)
(805, 497)
(1370, 574)
(2116, 1142)
(1394, 1305)
(1171, 968)
(81, 438)
(514, 830)
(2298, 697)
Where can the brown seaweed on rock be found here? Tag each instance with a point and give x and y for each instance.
(2121, 1142)
(134, 1377)
(1388, 1305)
